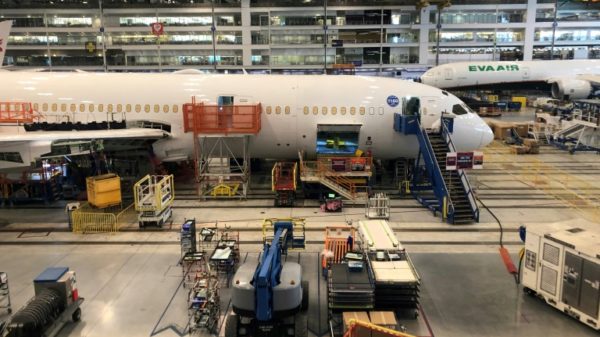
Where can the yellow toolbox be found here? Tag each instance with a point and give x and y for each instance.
(104, 190)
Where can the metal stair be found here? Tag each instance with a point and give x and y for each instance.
(463, 212)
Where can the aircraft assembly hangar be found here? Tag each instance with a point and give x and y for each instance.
(299, 168)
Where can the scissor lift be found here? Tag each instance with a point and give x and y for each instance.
(283, 183)
(154, 196)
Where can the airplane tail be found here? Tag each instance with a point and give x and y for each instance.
(4, 32)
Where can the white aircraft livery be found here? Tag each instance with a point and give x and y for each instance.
(565, 79)
(292, 109)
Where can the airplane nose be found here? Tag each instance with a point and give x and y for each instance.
(487, 135)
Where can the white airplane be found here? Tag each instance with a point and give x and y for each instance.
(294, 108)
(565, 79)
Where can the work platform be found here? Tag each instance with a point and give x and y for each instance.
(346, 175)
(218, 129)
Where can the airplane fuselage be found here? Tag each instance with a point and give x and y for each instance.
(292, 107)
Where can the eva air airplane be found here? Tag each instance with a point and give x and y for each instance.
(568, 79)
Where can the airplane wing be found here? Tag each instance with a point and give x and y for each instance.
(83, 135)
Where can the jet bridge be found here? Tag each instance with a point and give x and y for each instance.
(217, 130)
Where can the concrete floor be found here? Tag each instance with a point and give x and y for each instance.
(132, 283)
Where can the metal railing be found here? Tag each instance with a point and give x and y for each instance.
(16, 112)
(221, 119)
(88, 220)
(461, 173)
(154, 193)
(438, 178)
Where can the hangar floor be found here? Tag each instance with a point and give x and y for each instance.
(132, 283)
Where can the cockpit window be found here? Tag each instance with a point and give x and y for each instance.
(458, 109)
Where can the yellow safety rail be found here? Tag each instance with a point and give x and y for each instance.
(154, 193)
(225, 190)
(354, 324)
(92, 220)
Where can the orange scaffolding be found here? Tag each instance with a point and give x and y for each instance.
(16, 112)
(204, 118)
(336, 244)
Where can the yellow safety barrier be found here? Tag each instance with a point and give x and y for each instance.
(88, 220)
(225, 190)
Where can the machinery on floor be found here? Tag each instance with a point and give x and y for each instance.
(269, 296)
(378, 206)
(283, 183)
(153, 197)
(55, 303)
(573, 252)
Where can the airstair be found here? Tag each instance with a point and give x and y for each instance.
(432, 185)
(347, 176)
(580, 135)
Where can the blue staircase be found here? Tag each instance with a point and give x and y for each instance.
(432, 185)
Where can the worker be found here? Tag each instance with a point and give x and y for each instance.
(350, 242)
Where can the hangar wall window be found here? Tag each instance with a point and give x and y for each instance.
(14, 157)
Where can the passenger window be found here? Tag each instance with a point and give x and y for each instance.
(305, 110)
(380, 110)
(45, 107)
(362, 110)
(91, 107)
(324, 110)
(343, 110)
(119, 107)
(73, 107)
(110, 108)
(63, 107)
(156, 108)
(54, 107)
(100, 107)
(333, 110)
(138, 108)
(353, 110)
(371, 110)
(268, 110)
(287, 110)
(315, 110)
(147, 108)
(175, 108)
(82, 107)
(165, 108)
(278, 110)
(35, 106)
(128, 107)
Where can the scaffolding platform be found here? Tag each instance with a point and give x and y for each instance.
(16, 112)
(283, 183)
